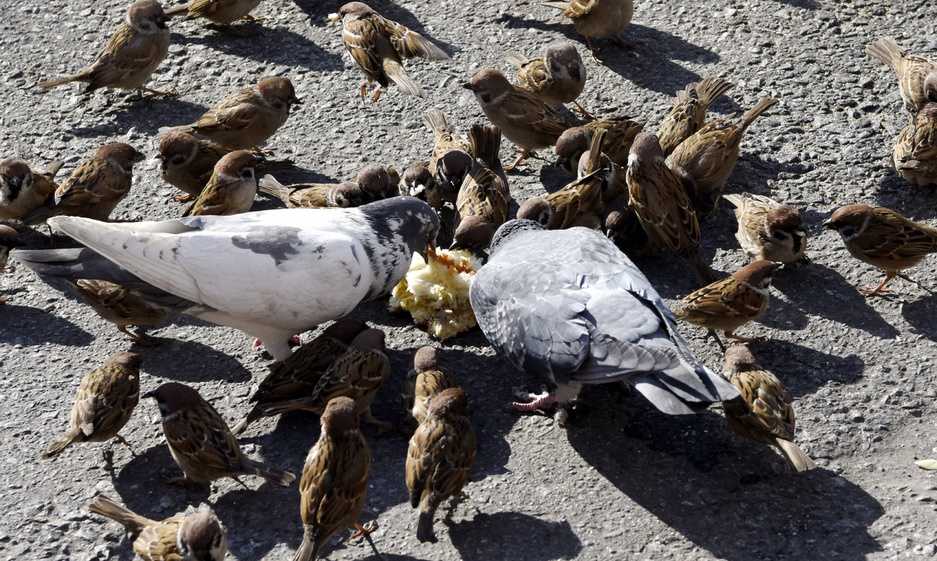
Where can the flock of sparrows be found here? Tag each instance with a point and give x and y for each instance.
(634, 193)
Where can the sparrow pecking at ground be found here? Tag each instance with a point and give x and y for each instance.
(131, 55)
(220, 12)
(689, 111)
(189, 536)
(917, 76)
(439, 457)
(105, 400)
(915, 154)
(335, 481)
(451, 161)
(620, 133)
(23, 190)
(597, 19)
(201, 442)
(730, 303)
(95, 187)
(556, 77)
(485, 198)
(522, 117)
(378, 46)
(187, 161)
(124, 307)
(762, 412)
(709, 155)
(313, 195)
(418, 182)
(423, 382)
(231, 188)
(767, 229)
(885, 239)
(247, 118)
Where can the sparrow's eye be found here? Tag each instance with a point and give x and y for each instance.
(177, 160)
(780, 235)
(847, 231)
(485, 98)
(247, 173)
(278, 105)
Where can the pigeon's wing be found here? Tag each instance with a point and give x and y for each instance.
(278, 267)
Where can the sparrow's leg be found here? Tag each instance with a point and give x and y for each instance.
(524, 154)
(365, 531)
(184, 198)
(252, 19)
(734, 337)
(158, 93)
(712, 333)
(123, 441)
(583, 112)
(382, 426)
(376, 94)
(137, 338)
(869, 291)
(363, 88)
(538, 403)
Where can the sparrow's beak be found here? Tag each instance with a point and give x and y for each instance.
(335, 19)
(161, 22)
(296, 101)
(800, 233)
(829, 225)
(468, 86)
(138, 156)
(455, 245)
(149, 395)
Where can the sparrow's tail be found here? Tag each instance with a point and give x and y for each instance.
(309, 549)
(424, 528)
(749, 117)
(516, 59)
(800, 461)
(179, 10)
(47, 85)
(486, 144)
(436, 120)
(53, 168)
(272, 474)
(930, 86)
(61, 443)
(711, 88)
(251, 416)
(395, 72)
(595, 152)
(886, 51)
(270, 186)
(110, 509)
(558, 5)
(734, 200)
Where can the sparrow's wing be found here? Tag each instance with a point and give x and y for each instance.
(528, 111)
(214, 198)
(202, 435)
(80, 189)
(125, 53)
(770, 403)
(361, 38)
(409, 43)
(231, 118)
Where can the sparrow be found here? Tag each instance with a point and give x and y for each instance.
(689, 111)
(231, 188)
(220, 12)
(334, 481)
(200, 441)
(556, 77)
(883, 238)
(187, 161)
(95, 187)
(378, 45)
(620, 133)
(762, 412)
(297, 376)
(451, 161)
(378, 182)
(418, 182)
(23, 190)
(423, 382)
(122, 306)
(439, 457)
(190, 536)
(105, 400)
(915, 154)
(917, 76)
(131, 55)
(597, 19)
(485, 197)
(246, 119)
(578, 203)
(709, 155)
(767, 229)
(624, 229)
(730, 303)
(313, 195)
(522, 117)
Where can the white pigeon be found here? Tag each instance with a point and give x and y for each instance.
(271, 274)
(567, 304)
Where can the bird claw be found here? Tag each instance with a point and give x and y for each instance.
(364, 530)
(183, 198)
(536, 403)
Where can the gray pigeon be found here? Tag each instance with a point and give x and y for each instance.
(569, 305)
(271, 274)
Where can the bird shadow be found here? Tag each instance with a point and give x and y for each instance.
(173, 359)
(753, 173)
(804, 369)
(728, 496)
(917, 203)
(155, 499)
(920, 315)
(23, 325)
(822, 292)
(279, 46)
(784, 315)
(486, 536)
(805, 4)
(146, 116)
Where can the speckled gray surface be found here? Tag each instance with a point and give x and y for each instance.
(624, 482)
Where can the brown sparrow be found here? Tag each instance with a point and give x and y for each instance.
(201, 442)
(424, 382)
(231, 188)
(121, 306)
(689, 111)
(23, 190)
(917, 76)
(619, 136)
(334, 481)
(522, 117)
(105, 400)
(730, 303)
(883, 238)
(313, 195)
(709, 155)
(220, 12)
(95, 188)
(378, 182)
(297, 376)
(378, 46)
(768, 229)
(192, 536)
(418, 181)
(130, 56)
(915, 153)
(187, 161)
(440, 457)
(485, 198)
(623, 227)
(762, 412)
(451, 160)
(246, 119)
(597, 19)
(557, 77)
